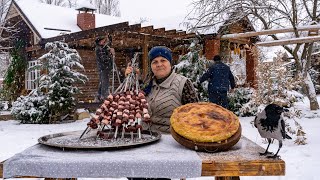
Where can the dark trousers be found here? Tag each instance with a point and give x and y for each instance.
(219, 97)
(103, 88)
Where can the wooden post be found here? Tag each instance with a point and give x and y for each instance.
(271, 31)
(211, 48)
(145, 64)
(308, 39)
(250, 68)
(1, 169)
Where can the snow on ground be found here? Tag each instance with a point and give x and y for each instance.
(302, 162)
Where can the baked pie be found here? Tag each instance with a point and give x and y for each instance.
(205, 122)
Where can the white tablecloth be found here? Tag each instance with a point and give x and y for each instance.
(163, 159)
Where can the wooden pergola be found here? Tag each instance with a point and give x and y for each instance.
(313, 32)
(125, 36)
(126, 40)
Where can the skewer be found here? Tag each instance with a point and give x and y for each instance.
(122, 133)
(103, 127)
(130, 83)
(110, 129)
(88, 131)
(149, 127)
(131, 133)
(116, 132)
(139, 133)
(84, 132)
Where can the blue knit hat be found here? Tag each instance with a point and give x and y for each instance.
(160, 51)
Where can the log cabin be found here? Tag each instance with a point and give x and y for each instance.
(39, 23)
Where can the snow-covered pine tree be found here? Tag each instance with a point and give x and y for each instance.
(193, 66)
(32, 108)
(60, 79)
(238, 101)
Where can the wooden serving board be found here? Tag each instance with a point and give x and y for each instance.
(207, 147)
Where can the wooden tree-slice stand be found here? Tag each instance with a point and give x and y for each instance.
(207, 147)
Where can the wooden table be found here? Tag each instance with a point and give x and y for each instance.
(242, 160)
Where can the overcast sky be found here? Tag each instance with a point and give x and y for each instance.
(153, 9)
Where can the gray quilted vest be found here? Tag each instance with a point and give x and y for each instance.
(163, 99)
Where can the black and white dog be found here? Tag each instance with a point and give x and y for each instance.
(271, 125)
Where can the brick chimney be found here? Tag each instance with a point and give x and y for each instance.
(85, 18)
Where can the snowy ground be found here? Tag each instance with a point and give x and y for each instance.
(302, 162)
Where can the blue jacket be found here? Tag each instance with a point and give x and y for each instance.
(219, 76)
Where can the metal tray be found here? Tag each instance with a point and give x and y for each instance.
(90, 141)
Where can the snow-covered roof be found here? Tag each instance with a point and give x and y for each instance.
(51, 21)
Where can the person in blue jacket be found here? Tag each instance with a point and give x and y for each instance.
(220, 80)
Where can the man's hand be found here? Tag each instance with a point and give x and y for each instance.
(129, 70)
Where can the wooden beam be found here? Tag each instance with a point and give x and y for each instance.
(178, 35)
(270, 31)
(145, 64)
(187, 36)
(290, 41)
(130, 40)
(33, 48)
(146, 29)
(1, 169)
(240, 41)
(101, 31)
(159, 31)
(135, 27)
(171, 32)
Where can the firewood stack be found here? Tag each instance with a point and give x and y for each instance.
(123, 111)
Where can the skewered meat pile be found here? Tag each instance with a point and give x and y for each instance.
(122, 111)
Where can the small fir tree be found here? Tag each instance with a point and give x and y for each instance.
(55, 96)
(60, 79)
(298, 132)
(193, 66)
(238, 101)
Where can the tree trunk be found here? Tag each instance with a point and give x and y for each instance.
(311, 92)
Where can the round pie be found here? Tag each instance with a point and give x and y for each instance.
(204, 122)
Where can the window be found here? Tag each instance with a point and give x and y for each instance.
(32, 76)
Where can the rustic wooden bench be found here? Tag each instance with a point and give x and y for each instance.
(242, 160)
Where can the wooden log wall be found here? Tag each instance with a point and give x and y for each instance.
(90, 88)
